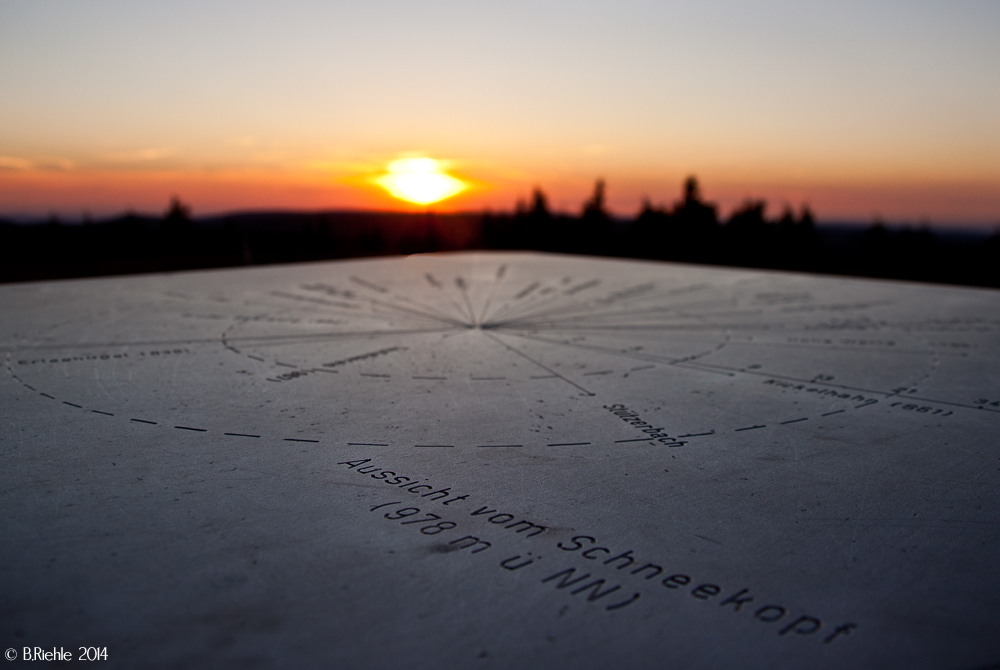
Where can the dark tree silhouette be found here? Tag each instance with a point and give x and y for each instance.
(594, 207)
(539, 204)
(692, 212)
(178, 213)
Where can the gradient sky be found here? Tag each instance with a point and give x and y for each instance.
(860, 109)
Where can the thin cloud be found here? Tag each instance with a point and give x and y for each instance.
(143, 155)
(13, 163)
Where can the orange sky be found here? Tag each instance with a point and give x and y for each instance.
(860, 111)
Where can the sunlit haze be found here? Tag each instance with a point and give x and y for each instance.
(887, 109)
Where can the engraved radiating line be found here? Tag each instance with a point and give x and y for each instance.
(599, 316)
(614, 352)
(314, 300)
(670, 317)
(657, 311)
(493, 292)
(404, 298)
(523, 293)
(610, 300)
(857, 349)
(613, 298)
(432, 313)
(636, 327)
(440, 316)
(710, 368)
(529, 358)
(325, 306)
(540, 301)
(440, 287)
(758, 373)
(277, 340)
(89, 345)
(463, 288)
(259, 339)
(533, 292)
(416, 312)
(689, 362)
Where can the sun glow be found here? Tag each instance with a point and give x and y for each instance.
(419, 180)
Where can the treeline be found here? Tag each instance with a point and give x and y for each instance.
(691, 230)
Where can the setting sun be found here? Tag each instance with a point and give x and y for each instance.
(419, 180)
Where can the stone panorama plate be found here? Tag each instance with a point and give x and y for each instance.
(501, 461)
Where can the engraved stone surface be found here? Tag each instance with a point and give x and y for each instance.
(501, 460)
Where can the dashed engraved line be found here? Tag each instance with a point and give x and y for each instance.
(368, 444)
(442, 446)
(374, 444)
